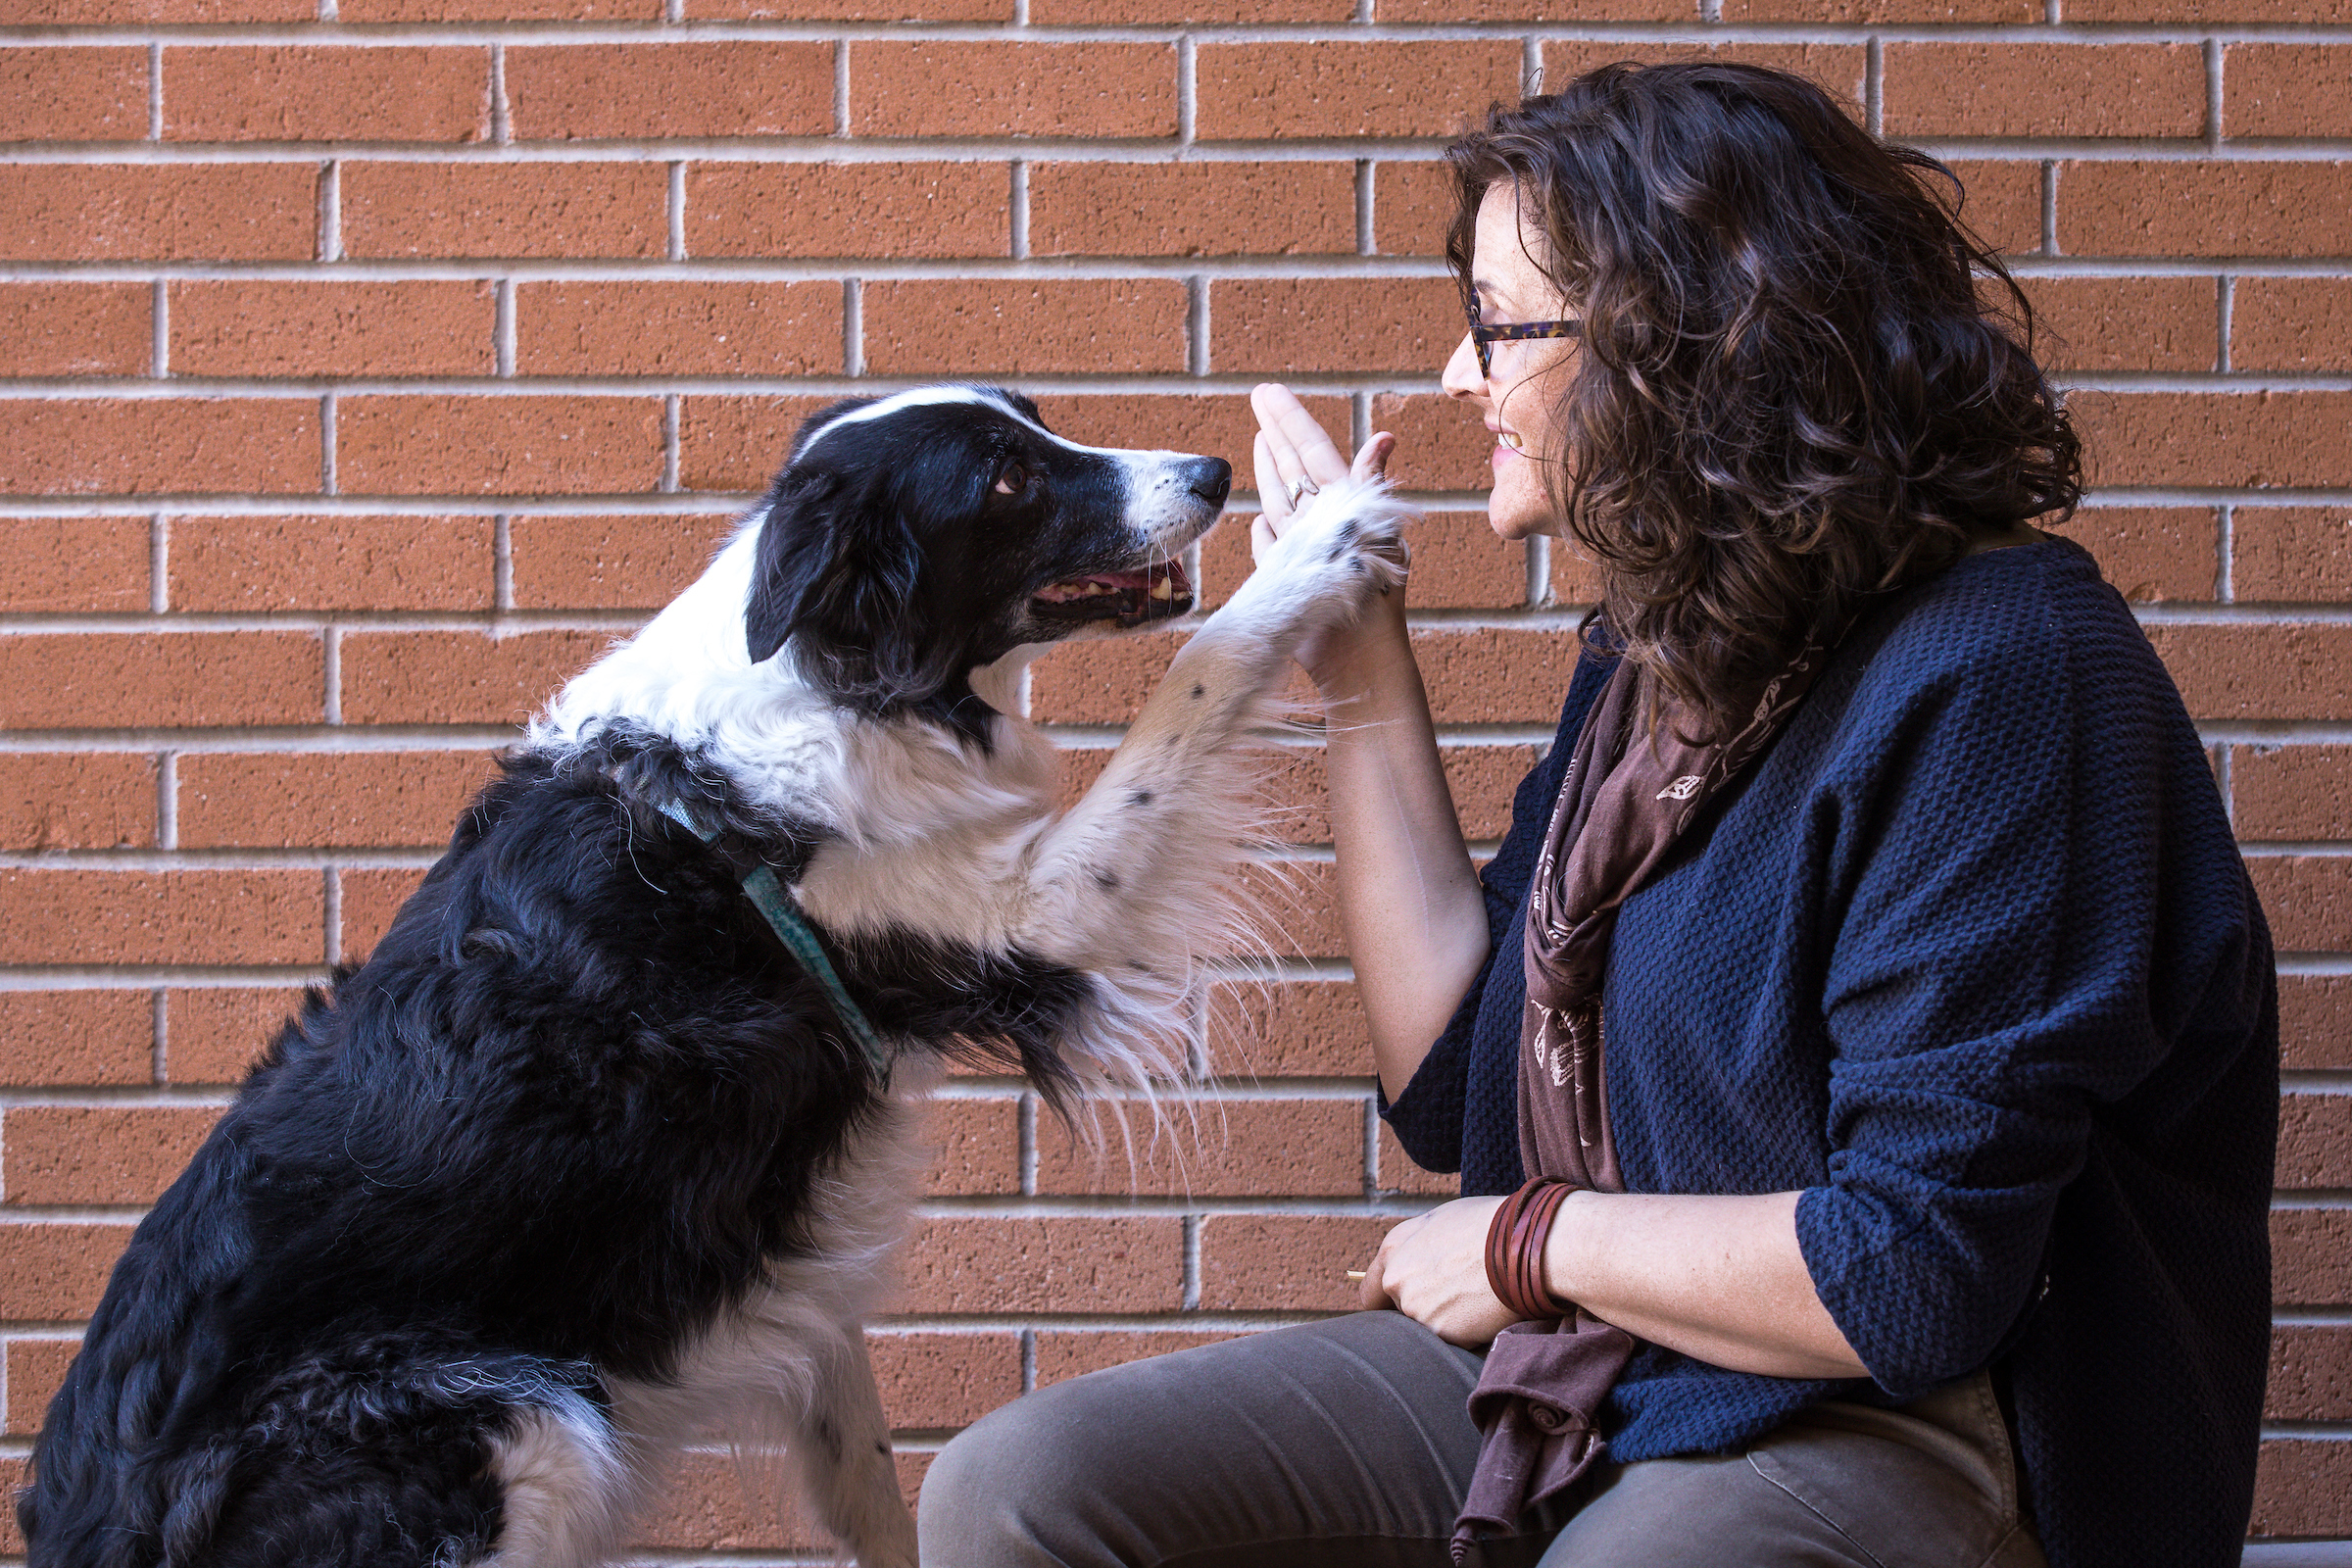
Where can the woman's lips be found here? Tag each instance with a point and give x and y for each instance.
(1506, 448)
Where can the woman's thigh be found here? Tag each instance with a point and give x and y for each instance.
(1341, 1442)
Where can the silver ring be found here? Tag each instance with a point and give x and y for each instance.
(1303, 486)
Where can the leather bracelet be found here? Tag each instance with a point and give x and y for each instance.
(1515, 1240)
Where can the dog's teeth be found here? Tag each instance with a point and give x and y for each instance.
(1163, 589)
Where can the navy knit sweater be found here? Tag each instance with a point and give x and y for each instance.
(1970, 960)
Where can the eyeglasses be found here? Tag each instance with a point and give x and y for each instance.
(1482, 335)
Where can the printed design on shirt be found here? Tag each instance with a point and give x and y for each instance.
(1682, 789)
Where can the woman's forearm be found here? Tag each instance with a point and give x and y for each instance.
(1720, 1279)
(1410, 910)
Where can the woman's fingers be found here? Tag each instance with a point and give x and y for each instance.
(1273, 485)
(1295, 434)
(1373, 461)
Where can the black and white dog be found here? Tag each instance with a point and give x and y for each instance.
(583, 1160)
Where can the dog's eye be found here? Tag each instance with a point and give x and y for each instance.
(1012, 478)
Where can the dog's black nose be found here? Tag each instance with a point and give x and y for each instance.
(1210, 478)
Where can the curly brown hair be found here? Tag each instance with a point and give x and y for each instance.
(1804, 381)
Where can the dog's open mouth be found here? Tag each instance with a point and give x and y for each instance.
(1132, 597)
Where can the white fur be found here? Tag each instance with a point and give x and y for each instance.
(936, 837)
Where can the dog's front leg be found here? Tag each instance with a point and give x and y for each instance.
(841, 1444)
(1115, 882)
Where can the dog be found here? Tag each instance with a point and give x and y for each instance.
(594, 1153)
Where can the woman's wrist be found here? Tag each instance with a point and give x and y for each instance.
(1373, 655)
(1566, 1248)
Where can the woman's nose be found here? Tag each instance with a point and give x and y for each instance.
(1463, 378)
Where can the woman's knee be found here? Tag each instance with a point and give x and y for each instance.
(1013, 1488)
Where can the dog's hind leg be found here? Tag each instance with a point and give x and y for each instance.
(565, 1487)
(840, 1442)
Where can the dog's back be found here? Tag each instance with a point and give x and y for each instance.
(553, 1127)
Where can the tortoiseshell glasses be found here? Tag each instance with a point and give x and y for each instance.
(1482, 335)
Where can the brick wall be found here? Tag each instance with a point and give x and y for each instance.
(370, 362)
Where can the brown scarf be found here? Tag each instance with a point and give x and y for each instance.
(1624, 801)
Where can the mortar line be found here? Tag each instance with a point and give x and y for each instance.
(853, 327)
(1191, 1263)
(1025, 1141)
(159, 1038)
(1017, 209)
(1874, 86)
(502, 127)
(167, 800)
(840, 81)
(2213, 93)
(333, 914)
(159, 348)
(1365, 208)
(2225, 542)
(2049, 204)
(330, 211)
(326, 443)
(670, 406)
(332, 675)
(502, 562)
(2226, 305)
(674, 201)
(155, 92)
(1197, 359)
(159, 562)
(502, 328)
(1188, 74)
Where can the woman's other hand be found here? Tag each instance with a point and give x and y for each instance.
(1433, 1268)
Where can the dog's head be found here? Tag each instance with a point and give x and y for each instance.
(913, 538)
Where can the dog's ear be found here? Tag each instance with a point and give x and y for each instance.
(837, 570)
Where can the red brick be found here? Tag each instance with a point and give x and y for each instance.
(102, 12)
(73, 94)
(1320, 325)
(1574, 580)
(1162, 12)
(2291, 324)
(931, 1381)
(625, 91)
(213, 1033)
(289, 328)
(2311, 1257)
(963, 327)
(1442, 443)
(370, 899)
(1285, 90)
(1298, 906)
(70, 563)
(2302, 1487)
(937, 88)
(100, 1153)
(2150, 552)
(185, 916)
(2315, 1021)
(1288, 1028)
(340, 561)
(1215, 208)
(737, 443)
(1440, 12)
(505, 210)
(1398, 1174)
(2294, 793)
(921, 210)
(2308, 899)
(2125, 324)
(1211, 1148)
(1491, 675)
(2324, 11)
(1873, 12)
(2252, 672)
(1023, 1264)
(76, 328)
(610, 562)
(1062, 1355)
(2001, 201)
(37, 1370)
(2215, 438)
(1285, 1262)
(159, 212)
(1100, 680)
(458, 678)
(1412, 207)
(1214, 426)
(856, 10)
(98, 680)
(326, 92)
(2310, 1373)
(1836, 69)
(69, 800)
(2042, 89)
(975, 1148)
(127, 446)
(520, 446)
(2286, 89)
(766, 330)
(2292, 554)
(2314, 1140)
(357, 800)
(50, 1271)
(2242, 207)
(376, 11)
(77, 1037)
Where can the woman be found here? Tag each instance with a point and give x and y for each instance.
(1915, 1212)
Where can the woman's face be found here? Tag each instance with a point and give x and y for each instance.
(1517, 401)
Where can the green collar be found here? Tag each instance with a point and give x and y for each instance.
(775, 905)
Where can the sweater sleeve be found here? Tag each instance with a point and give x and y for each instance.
(2032, 885)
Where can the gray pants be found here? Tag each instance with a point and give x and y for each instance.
(1345, 1444)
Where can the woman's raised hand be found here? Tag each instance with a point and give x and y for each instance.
(1292, 449)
